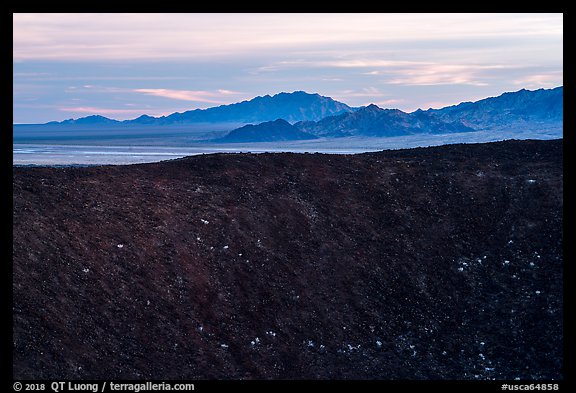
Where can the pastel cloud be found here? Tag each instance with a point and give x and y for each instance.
(547, 80)
(169, 62)
(211, 97)
(189, 95)
(469, 74)
(337, 63)
(103, 111)
(423, 73)
(202, 36)
(442, 74)
(370, 91)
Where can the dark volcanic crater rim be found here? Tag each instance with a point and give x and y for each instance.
(427, 263)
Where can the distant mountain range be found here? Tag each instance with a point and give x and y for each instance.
(88, 120)
(300, 116)
(377, 122)
(292, 107)
(522, 109)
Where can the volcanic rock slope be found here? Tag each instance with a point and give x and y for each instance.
(431, 263)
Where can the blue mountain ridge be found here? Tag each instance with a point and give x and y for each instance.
(377, 122)
(270, 131)
(315, 116)
(523, 109)
(292, 107)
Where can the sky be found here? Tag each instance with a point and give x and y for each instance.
(124, 65)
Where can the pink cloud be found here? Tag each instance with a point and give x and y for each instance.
(228, 92)
(91, 109)
(117, 36)
(446, 74)
(547, 80)
(189, 95)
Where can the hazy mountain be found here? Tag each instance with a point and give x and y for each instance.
(144, 119)
(89, 120)
(523, 108)
(292, 107)
(377, 122)
(314, 115)
(278, 130)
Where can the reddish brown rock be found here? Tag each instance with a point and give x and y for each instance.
(436, 263)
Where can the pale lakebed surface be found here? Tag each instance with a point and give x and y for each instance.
(133, 152)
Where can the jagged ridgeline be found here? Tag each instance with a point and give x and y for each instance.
(301, 116)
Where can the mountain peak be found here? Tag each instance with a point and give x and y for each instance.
(92, 119)
(143, 119)
(297, 93)
(373, 107)
(519, 109)
(269, 131)
(292, 107)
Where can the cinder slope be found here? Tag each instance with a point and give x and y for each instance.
(436, 263)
